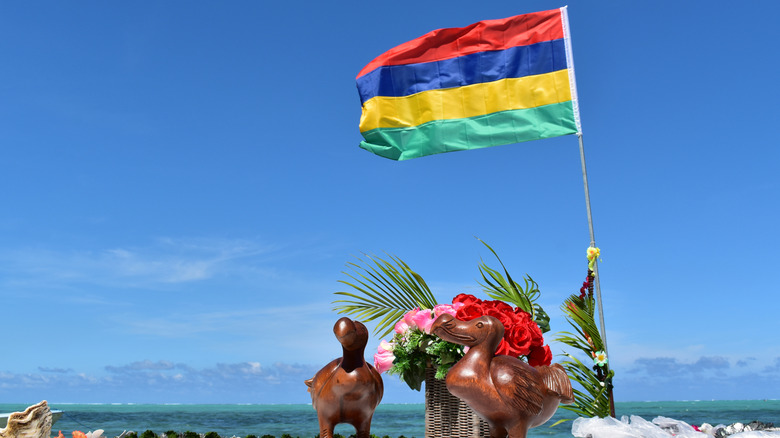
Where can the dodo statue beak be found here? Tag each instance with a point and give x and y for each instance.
(440, 322)
(452, 330)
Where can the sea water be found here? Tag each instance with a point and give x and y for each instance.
(392, 420)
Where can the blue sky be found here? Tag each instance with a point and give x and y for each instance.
(182, 188)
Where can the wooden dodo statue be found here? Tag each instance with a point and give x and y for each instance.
(347, 390)
(509, 394)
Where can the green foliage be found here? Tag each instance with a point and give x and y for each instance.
(190, 434)
(593, 399)
(443, 355)
(506, 289)
(410, 360)
(264, 436)
(171, 434)
(417, 351)
(212, 435)
(384, 290)
(148, 434)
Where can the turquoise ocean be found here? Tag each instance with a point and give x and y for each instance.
(393, 420)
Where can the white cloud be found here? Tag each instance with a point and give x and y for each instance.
(54, 370)
(295, 332)
(774, 367)
(166, 261)
(165, 381)
(706, 377)
(668, 366)
(142, 365)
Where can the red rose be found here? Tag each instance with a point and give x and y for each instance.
(469, 312)
(504, 348)
(519, 339)
(540, 356)
(537, 339)
(466, 299)
(499, 306)
(501, 311)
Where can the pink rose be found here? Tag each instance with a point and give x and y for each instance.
(424, 320)
(401, 327)
(384, 357)
(445, 308)
(409, 318)
(386, 346)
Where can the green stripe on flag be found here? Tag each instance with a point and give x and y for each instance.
(499, 128)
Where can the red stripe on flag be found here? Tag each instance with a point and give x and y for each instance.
(481, 36)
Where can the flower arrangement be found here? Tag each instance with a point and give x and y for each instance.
(413, 347)
(389, 289)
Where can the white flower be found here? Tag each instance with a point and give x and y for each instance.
(600, 358)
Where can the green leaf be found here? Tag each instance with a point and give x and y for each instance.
(502, 287)
(592, 400)
(541, 318)
(382, 290)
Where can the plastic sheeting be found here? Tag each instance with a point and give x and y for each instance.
(660, 427)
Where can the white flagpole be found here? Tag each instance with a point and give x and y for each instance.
(593, 244)
(578, 122)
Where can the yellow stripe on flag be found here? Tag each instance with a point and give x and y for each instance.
(467, 101)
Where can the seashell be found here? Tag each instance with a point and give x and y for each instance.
(34, 422)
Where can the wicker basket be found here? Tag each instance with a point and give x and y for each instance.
(447, 416)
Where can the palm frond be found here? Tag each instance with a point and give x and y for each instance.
(593, 399)
(382, 290)
(502, 287)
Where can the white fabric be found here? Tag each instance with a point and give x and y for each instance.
(660, 427)
(575, 102)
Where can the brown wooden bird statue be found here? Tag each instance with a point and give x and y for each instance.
(509, 394)
(347, 390)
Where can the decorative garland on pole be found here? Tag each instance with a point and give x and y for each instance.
(594, 399)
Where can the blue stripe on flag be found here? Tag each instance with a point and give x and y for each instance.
(515, 62)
